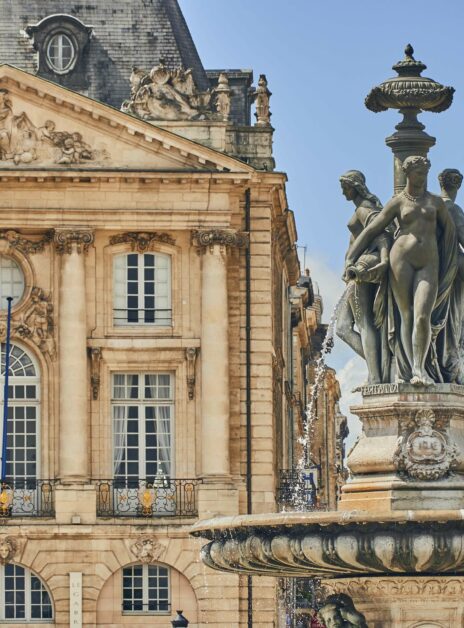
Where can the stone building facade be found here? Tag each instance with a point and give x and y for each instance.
(151, 258)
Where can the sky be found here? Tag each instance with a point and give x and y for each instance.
(321, 60)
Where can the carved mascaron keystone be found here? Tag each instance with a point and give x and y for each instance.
(141, 241)
(148, 550)
(425, 453)
(221, 237)
(69, 240)
(8, 549)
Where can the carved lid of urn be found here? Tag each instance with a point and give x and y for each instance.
(409, 89)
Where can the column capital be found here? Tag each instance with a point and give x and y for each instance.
(75, 239)
(204, 238)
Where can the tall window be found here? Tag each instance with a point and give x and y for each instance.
(23, 415)
(145, 589)
(143, 406)
(23, 596)
(142, 289)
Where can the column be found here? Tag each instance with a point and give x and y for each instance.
(214, 352)
(73, 426)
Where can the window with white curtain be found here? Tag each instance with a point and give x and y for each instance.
(142, 407)
(23, 415)
(142, 289)
(146, 589)
(23, 596)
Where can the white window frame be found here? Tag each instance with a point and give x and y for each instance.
(120, 291)
(28, 574)
(73, 59)
(145, 591)
(23, 380)
(142, 402)
(7, 287)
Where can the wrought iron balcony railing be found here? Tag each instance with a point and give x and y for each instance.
(159, 497)
(297, 491)
(27, 498)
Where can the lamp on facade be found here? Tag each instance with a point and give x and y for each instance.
(180, 621)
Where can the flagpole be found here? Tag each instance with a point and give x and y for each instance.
(5, 392)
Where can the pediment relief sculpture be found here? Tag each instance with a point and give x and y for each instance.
(164, 95)
(23, 143)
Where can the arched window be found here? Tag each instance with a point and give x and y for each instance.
(23, 596)
(61, 53)
(11, 281)
(142, 289)
(23, 414)
(146, 589)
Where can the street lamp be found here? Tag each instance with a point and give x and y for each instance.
(180, 621)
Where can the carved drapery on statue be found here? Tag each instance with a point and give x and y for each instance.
(22, 142)
(163, 94)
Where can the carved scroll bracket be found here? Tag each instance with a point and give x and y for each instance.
(141, 241)
(69, 240)
(95, 360)
(191, 354)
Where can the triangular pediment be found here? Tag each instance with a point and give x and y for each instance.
(45, 126)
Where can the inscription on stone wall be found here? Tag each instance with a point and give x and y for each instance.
(75, 599)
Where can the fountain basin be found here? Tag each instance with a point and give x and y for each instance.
(336, 544)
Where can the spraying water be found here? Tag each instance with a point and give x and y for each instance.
(299, 500)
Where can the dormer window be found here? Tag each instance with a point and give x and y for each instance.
(61, 53)
(62, 43)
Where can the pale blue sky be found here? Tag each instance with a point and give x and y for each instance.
(321, 60)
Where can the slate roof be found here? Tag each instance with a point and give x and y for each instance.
(125, 33)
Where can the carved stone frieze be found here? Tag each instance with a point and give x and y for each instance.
(339, 610)
(26, 246)
(23, 142)
(164, 94)
(390, 588)
(148, 549)
(34, 322)
(222, 237)
(95, 360)
(141, 241)
(425, 453)
(9, 547)
(191, 354)
(69, 240)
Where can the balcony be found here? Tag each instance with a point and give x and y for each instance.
(27, 498)
(148, 499)
(297, 490)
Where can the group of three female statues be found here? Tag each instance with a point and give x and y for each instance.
(402, 311)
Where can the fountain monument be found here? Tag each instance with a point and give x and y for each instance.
(395, 545)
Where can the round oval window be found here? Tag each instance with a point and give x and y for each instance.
(11, 282)
(60, 52)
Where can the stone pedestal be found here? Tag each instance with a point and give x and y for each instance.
(410, 455)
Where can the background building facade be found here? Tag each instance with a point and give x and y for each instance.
(161, 331)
